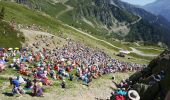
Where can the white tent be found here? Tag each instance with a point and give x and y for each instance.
(124, 51)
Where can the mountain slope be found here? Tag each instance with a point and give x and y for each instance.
(149, 28)
(107, 19)
(159, 7)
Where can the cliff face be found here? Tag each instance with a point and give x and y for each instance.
(153, 82)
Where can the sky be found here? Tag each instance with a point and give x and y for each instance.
(139, 2)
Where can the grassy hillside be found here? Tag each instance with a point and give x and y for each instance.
(9, 37)
(47, 6)
(24, 15)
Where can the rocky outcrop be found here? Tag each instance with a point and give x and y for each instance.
(153, 81)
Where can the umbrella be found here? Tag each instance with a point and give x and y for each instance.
(16, 48)
(24, 49)
(2, 62)
(1, 49)
(62, 59)
(69, 62)
(10, 49)
(124, 51)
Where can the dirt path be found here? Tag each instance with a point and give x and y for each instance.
(142, 53)
(69, 8)
(134, 22)
(91, 36)
(151, 48)
(59, 1)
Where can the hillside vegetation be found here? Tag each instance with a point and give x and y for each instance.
(8, 36)
(47, 6)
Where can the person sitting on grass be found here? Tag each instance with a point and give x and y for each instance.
(71, 77)
(37, 89)
(63, 84)
(53, 74)
(28, 84)
(17, 89)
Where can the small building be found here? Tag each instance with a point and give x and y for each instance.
(122, 53)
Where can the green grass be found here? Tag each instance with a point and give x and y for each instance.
(24, 15)
(49, 7)
(153, 51)
(2, 79)
(141, 57)
(8, 36)
(9, 71)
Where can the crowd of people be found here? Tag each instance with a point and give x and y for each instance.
(30, 86)
(72, 61)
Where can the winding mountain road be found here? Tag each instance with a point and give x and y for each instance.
(132, 23)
